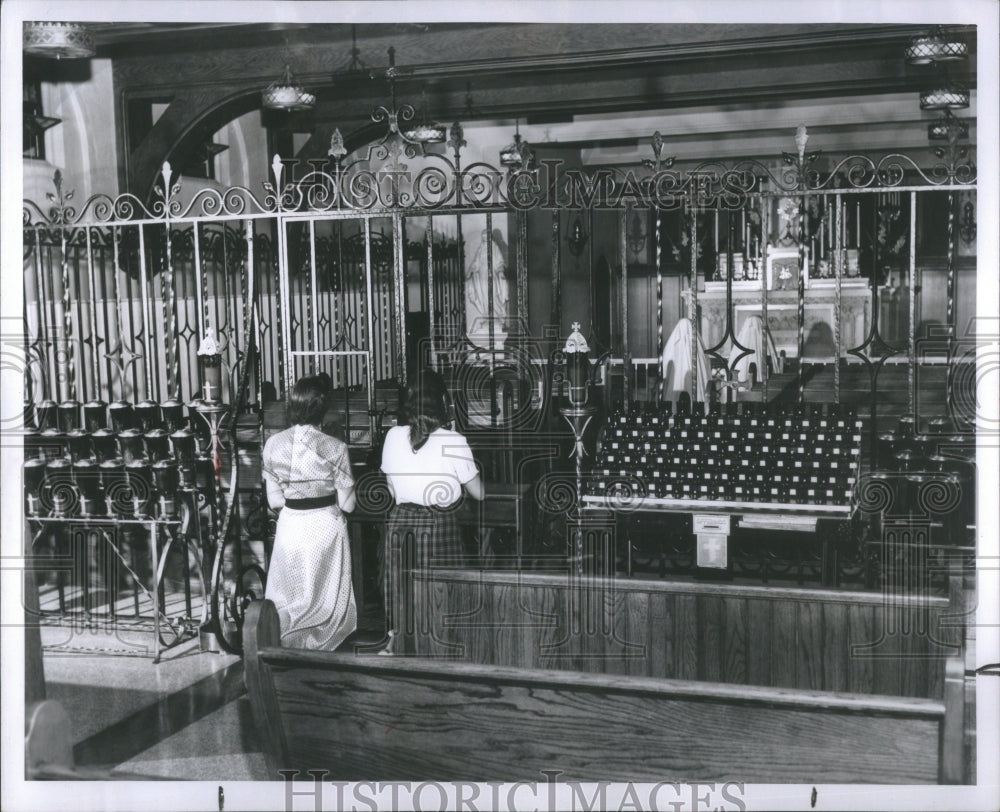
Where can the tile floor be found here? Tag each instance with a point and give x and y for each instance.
(186, 717)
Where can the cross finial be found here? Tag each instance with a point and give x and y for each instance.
(575, 327)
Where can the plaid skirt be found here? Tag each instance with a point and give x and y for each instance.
(417, 538)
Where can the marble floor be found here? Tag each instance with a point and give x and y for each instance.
(186, 717)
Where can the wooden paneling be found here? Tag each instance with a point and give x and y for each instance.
(809, 647)
(784, 623)
(686, 635)
(808, 639)
(637, 633)
(861, 628)
(835, 651)
(366, 718)
(660, 654)
(395, 718)
(734, 640)
(759, 628)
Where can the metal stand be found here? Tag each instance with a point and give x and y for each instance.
(579, 418)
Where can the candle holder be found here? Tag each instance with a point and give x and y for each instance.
(157, 443)
(95, 415)
(148, 413)
(80, 445)
(117, 496)
(166, 477)
(86, 476)
(212, 414)
(34, 478)
(69, 415)
(577, 354)
(58, 489)
(183, 444)
(172, 411)
(122, 415)
(139, 476)
(53, 444)
(105, 445)
(131, 442)
(210, 365)
(46, 415)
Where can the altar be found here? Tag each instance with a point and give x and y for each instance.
(820, 314)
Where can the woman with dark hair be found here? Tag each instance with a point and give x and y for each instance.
(308, 478)
(427, 465)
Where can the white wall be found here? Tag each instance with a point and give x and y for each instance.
(83, 145)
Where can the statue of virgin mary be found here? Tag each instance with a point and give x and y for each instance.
(477, 294)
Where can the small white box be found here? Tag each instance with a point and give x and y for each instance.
(711, 523)
(713, 550)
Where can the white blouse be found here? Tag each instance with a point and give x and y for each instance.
(433, 475)
(306, 463)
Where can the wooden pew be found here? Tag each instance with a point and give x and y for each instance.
(365, 717)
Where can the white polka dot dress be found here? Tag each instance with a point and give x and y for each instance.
(309, 578)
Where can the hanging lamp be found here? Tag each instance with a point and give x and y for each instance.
(517, 154)
(935, 46)
(287, 94)
(58, 40)
(426, 132)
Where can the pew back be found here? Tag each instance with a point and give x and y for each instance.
(400, 718)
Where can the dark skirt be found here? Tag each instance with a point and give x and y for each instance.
(417, 539)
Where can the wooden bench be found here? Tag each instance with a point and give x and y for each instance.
(363, 717)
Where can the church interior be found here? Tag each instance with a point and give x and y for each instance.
(707, 300)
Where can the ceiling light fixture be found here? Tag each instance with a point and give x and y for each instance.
(946, 96)
(58, 40)
(947, 128)
(426, 132)
(287, 94)
(518, 154)
(935, 46)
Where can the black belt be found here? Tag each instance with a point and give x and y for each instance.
(452, 508)
(312, 503)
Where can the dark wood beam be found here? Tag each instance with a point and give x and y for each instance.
(549, 71)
